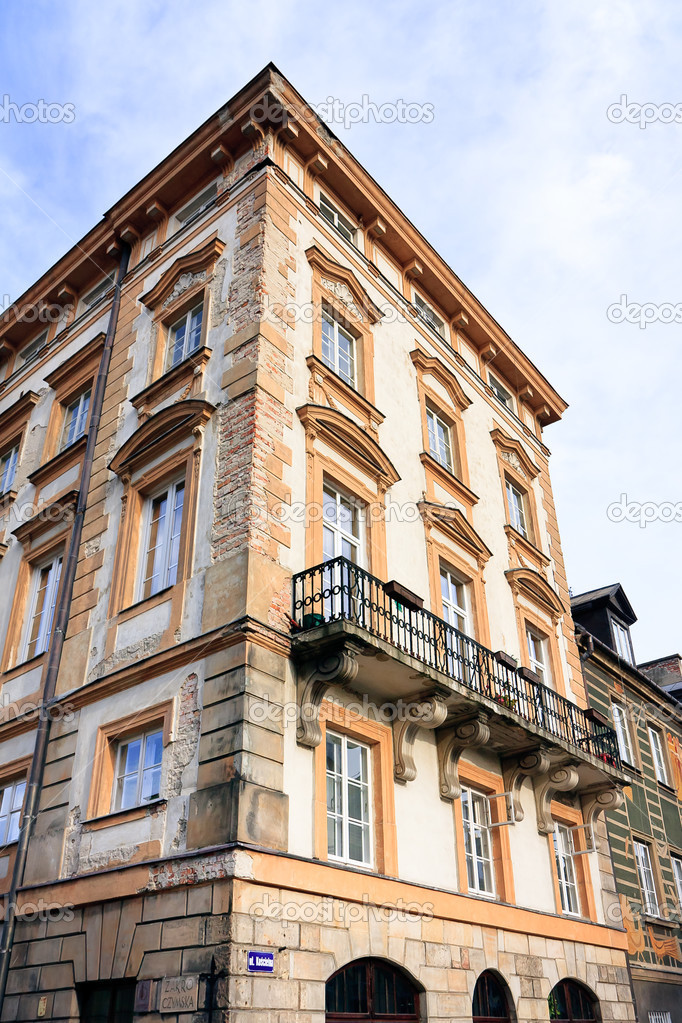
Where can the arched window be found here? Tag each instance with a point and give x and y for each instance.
(370, 989)
(571, 1002)
(491, 999)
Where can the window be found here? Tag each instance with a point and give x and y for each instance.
(516, 503)
(138, 770)
(193, 209)
(75, 420)
(338, 348)
(32, 350)
(570, 1002)
(11, 803)
(491, 1001)
(371, 989)
(621, 639)
(349, 833)
(455, 603)
(501, 392)
(107, 1003)
(565, 868)
(658, 755)
(677, 874)
(8, 468)
(429, 316)
(99, 291)
(164, 526)
(537, 654)
(646, 878)
(620, 723)
(477, 842)
(440, 446)
(184, 337)
(45, 589)
(337, 220)
(660, 1017)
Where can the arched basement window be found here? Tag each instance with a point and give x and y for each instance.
(571, 1002)
(370, 989)
(491, 1000)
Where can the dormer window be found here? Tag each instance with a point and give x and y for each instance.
(99, 291)
(337, 219)
(501, 392)
(33, 349)
(621, 641)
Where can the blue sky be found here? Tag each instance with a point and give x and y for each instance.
(547, 209)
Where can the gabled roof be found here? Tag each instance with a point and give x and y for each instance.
(613, 596)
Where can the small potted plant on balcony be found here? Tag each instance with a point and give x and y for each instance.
(505, 695)
(608, 758)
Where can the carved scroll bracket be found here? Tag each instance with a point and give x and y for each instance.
(332, 668)
(560, 778)
(467, 733)
(429, 713)
(596, 802)
(516, 770)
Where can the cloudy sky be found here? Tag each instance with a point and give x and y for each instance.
(549, 210)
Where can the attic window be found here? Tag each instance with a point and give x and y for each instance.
(99, 291)
(621, 639)
(197, 205)
(33, 349)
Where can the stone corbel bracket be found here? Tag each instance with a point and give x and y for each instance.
(332, 668)
(596, 802)
(528, 765)
(465, 734)
(561, 777)
(428, 713)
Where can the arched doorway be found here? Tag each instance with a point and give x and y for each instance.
(571, 1002)
(492, 1000)
(371, 989)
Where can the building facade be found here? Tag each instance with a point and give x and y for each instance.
(317, 745)
(645, 832)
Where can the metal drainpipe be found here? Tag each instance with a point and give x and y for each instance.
(56, 645)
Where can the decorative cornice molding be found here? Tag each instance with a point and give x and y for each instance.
(343, 433)
(454, 524)
(536, 588)
(199, 261)
(159, 431)
(332, 274)
(424, 363)
(513, 452)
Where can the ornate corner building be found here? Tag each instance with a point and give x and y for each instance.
(294, 725)
(641, 701)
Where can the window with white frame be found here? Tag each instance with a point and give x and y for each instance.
(11, 803)
(99, 291)
(516, 502)
(501, 392)
(8, 468)
(645, 873)
(138, 770)
(196, 206)
(337, 219)
(622, 728)
(621, 638)
(676, 862)
(660, 1017)
(349, 799)
(565, 868)
(429, 315)
(33, 349)
(184, 336)
(440, 438)
(341, 526)
(658, 755)
(338, 348)
(478, 842)
(45, 586)
(455, 601)
(162, 546)
(538, 659)
(75, 420)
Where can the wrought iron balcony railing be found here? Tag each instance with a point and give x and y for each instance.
(339, 590)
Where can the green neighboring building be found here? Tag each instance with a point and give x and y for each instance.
(642, 703)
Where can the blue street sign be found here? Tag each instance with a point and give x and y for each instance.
(260, 962)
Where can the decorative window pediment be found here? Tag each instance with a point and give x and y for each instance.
(346, 435)
(514, 454)
(344, 286)
(536, 588)
(194, 268)
(456, 526)
(160, 432)
(429, 365)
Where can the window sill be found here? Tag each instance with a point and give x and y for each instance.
(449, 480)
(527, 546)
(146, 603)
(345, 392)
(23, 666)
(132, 813)
(667, 787)
(59, 463)
(176, 378)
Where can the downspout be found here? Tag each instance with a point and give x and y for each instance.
(57, 637)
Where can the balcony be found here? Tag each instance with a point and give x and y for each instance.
(354, 630)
